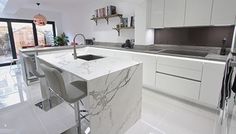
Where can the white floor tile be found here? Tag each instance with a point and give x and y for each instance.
(160, 114)
(142, 127)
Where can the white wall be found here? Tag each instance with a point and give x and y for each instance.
(143, 36)
(78, 21)
(29, 14)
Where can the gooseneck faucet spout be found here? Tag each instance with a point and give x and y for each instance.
(74, 44)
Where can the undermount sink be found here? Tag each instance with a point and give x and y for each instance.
(185, 52)
(89, 57)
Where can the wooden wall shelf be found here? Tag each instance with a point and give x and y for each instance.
(119, 29)
(106, 18)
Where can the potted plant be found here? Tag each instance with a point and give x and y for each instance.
(61, 40)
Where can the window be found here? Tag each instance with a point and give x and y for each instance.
(45, 35)
(16, 34)
(5, 45)
(23, 35)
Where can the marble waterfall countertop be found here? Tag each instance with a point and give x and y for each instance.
(86, 70)
(114, 89)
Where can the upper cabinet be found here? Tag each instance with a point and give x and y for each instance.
(224, 12)
(174, 13)
(156, 13)
(198, 12)
(179, 13)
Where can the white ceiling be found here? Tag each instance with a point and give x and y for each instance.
(2, 4)
(12, 6)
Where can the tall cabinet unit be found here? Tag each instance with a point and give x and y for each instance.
(149, 68)
(156, 13)
(212, 76)
(198, 12)
(224, 12)
(174, 13)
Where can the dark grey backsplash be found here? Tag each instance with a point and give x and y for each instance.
(195, 36)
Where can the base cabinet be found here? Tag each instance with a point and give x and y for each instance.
(191, 79)
(176, 86)
(149, 69)
(211, 82)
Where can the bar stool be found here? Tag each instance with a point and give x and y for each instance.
(71, 93)
(29, 65)
(51, 101)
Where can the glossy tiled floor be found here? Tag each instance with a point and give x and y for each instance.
(160, 114)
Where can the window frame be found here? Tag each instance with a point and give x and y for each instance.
(11, 36)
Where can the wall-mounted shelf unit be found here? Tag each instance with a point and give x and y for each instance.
(95, 19)
(118, 29)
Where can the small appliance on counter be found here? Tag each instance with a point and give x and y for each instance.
(223, 49)
(128, 44)
(89, 41)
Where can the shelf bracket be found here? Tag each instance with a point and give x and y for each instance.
(96, 21)
(107, 19)
(118, 31)
(121, 17)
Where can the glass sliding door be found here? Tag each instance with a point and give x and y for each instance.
(16, 34)
(5, 44)
(23, 35)
(45, 35)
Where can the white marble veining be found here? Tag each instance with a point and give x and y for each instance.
(115, 101)
(111, 82)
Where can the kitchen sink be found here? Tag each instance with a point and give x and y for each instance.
(89, 57)
(185, 52)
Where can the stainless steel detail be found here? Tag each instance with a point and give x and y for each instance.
(50, 103)
(74, 44)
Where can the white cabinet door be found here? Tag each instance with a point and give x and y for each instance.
(211, 82)
(198, 12)
(182, 67)
(223, 12)
(149, 69)
(176, 86)
(174, 13)
(156, 13)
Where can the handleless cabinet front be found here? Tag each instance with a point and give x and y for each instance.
(211, 82)
(224, 12)
(198, 12)
(156, 13)
(179, 77)
(174, 13)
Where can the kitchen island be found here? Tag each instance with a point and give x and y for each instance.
(114, 88)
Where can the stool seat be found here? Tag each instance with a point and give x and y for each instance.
(74, 91)
(69, 92)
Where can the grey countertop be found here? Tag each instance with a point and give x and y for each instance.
(212, 52)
